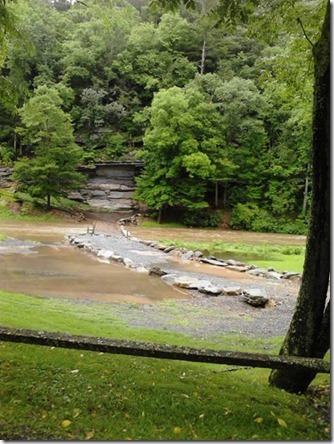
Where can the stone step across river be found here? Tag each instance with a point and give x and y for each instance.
(144, 255)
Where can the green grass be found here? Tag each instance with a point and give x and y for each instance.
(154, 224)
(281, 257)
(98, 319)
(58, 394)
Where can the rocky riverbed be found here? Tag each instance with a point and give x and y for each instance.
(205, 314)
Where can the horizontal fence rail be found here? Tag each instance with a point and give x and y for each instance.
(160, 351)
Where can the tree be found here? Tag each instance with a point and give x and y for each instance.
(309, 331)
(48, 131)
(182, 124)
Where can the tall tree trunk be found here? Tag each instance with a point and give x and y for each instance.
(202, 66)
(216, 194)
(306, 187)
(159, 215)
(309, 334)
(48, 201)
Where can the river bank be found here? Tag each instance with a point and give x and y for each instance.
(200, 315)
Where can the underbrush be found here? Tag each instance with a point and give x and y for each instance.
(49, 393)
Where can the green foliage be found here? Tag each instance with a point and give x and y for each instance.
(176, 168)
(251, 217)
(203, 219)
(52, 171)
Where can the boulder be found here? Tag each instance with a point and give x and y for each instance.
(213, 262)
(169, 249)
(186, 282)
(274, 275)
(232, 291)
(255, 292)
(210, 289)
(128, 262)
(257, 272)
(105, 254)
(188, 255)
(168, 278)
(156, 271)
(240, 268)
(255, 301)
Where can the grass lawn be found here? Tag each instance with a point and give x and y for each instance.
(281, 257)
(59, 394)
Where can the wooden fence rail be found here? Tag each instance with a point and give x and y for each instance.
(160, 351)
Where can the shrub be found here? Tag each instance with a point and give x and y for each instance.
(203, 219)
(243, 216)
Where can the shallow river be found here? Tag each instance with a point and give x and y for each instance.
(49, 267)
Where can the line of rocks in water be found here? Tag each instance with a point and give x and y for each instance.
(198, 256)
(255, 297)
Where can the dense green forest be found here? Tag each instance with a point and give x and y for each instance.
(220, 115)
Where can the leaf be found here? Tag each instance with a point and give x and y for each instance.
(89, 435)
(65, 423)
(177, 430)
(281, 422)
(76, 413)
(201, 415)
(258, 420)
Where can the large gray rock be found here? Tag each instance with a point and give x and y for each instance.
(232, 291)
(257, 272)
(210, 289)
(213, 262)
(255, 301)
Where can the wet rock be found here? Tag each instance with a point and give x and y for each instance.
(274, 275)
(234, 262)
(198, 254)
(257, 272)
(116, 258)
(106, 254)
(255, 292)
(188, 255)
(169, 249)
(169, 278)
(128, 262)
(255, 301)
(232, 291)
(186, 282)
(159, 246)
(239, 268)
(213, 262)
(210, 290)
(157, 271)
(290, 274)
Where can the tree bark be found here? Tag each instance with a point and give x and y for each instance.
(306, 187)
(203, 56)
(308, 334)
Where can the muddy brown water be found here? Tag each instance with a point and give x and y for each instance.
(52, 268)
(207, 235)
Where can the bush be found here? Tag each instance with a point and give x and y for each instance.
(243, 216)
(203, 219)
(251, 218)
